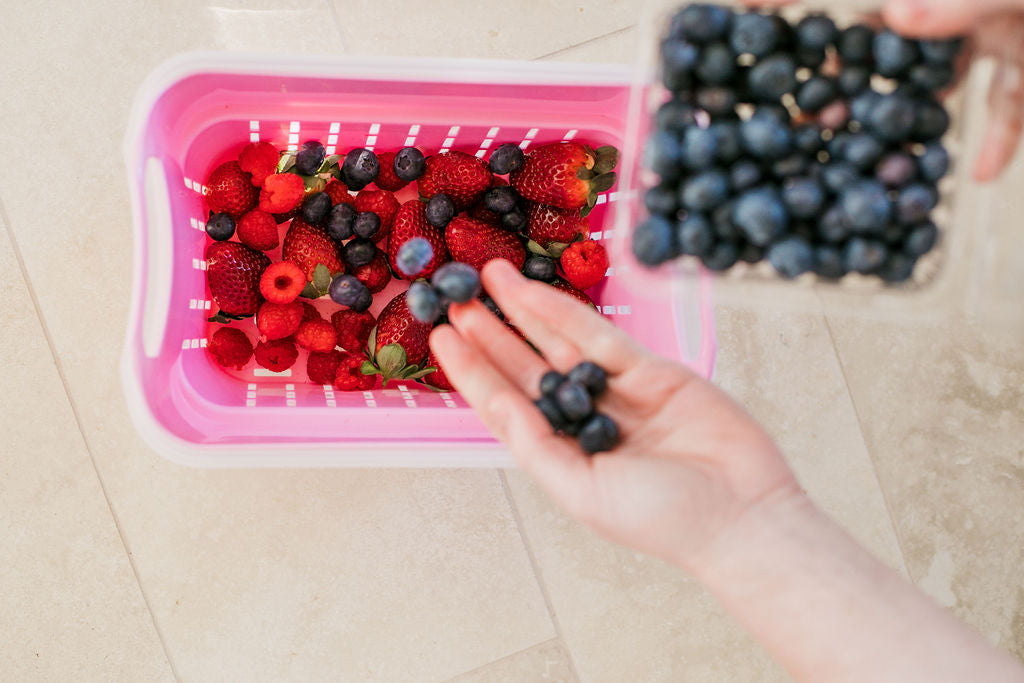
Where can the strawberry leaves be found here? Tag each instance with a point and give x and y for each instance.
(391, 362)
(319, 285)
(226, 318)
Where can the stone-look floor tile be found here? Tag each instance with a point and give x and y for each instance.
(547, 662)
(617, 47)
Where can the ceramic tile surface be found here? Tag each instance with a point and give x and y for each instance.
(548, 661)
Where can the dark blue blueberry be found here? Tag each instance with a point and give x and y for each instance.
(772, 77)
(440, 210)
(674, 115)
(722, 256)
(367, 224)
(654, 241)
(678, 60)
(363, 300)
(941, 51)
(514, 220)
(359, 252)
(921, 239)
(701, 23)
(837, 145)
(815, 93)
(457, 282)
(854, 79)
(501, 199)
(893, 54)
(828, 262)
(809, 57)
(359, 169)
(866, 206)
(340, 222)
(309, 158)
(774, 111)
(751, 253)
(744, 174)
(933, 163)
(705, 191)
(755, 34)
(721, 222)
(807, 138)
(761, 215)
(717, 100)
(892, 118)
(898, 267)
(662, 154)
(863, 151)
(915, 202)
(662, 199)
(931, 77)
(413, 256)
(550, 381)
(506, 158)
(409, 163)
(539, 267)
(699, 147)
(803, 197)
(598, 434)
(855, 44)
(696, 236)
(806, 230)
(549, 409)
(591, 375)
(315, 208)
(423, 302)
(838, 175)
(717, 64)
(791, 257)
(864, 255)
(816, 31)
(765, 138)
(573, 400)
(894, 234)
(862, 105)
(931, 121)
(896, 169)
(220, 226)
(345, 290)
(793, 165)
(489, 304)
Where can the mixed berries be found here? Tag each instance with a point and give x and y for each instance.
(568, 402)
(816, 148)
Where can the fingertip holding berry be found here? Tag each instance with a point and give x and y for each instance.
(568, 404)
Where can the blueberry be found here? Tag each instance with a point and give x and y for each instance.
(705, 191)
(309, 158)
(675, 115)
(893, 54)
(654, 241)
(832, 225)
(717, 100)
(539, 267)
(550, 381)
(931, 121)
(500, 199)
(590, 375)
(440, 210)
(573, 400)
(315, 207)
(761, 215)
(489, 304)
(413, 256)
(838, 175)
(896, 169)
(915, 202)
(803, 197)
(701, 23)
(793, 165)
(345, 290)
(678, 60)
(933, 162)
(751, 253)
(765, 138)
(893, 117)
(815, 93)
(359, 169)
(755, 34)
(898, 267)
(409, 163)
(863, 255)
(698, 150)
(457, 282)
(811, 58)
(744, 174)
(866, 206)
(791, 257)
(816, 31)
(506, 159)
(774, 111)
(549, 409)
(894, 234)
(662, 199)
(836, 147)
(696, 236)
(772, 77)
(854, 79)
(423, 302)
(359, 252)
(514, 220)
(931, 77)
(854, 44)
(340, 222)
(863, 104)
(805, 230)
(828, 262)
(921, 239)
(941, 51)
(807, 138)
(662, 154)
(863, 151)
(367, 225)
(598, 434)
(721, 222)
(717, 64)
(220, 226)
(723, 256)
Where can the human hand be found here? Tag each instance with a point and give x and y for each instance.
(690, 462)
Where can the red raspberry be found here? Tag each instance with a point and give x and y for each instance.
(338, 192)
(277, 321)
(383, 204)
(321, 368)
(309, 312)
(375, 275)
(230, 347)
(277, 355)
(316, 335)
(282, 282)
(584, 264)
(260, 159)
(287, 215)
(282, 192)
(258, 230)
(386, 179)
(353, 329)
(350, 376)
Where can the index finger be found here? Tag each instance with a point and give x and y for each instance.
(940, 18)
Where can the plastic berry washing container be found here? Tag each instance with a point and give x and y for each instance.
(197, 110)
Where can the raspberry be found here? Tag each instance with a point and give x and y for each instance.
(258, 230)
(338, 192)
(321, 368)
(277, 355)
(259, 159)
(386, 179)
(230, 347)
(282, 283)
(316, 335)
(375, 275)
(281, 193)
(584, 264)
(350, 376)
(277, 321)
(383, 204)
(309, 312)
(353, 329)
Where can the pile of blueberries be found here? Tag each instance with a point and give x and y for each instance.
(567, 401)
(815, 147)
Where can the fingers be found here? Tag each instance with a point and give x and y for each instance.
(1006, 111)
(940, 18)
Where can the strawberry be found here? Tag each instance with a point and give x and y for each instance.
(277, 355)
(309, 312)
(233, 273)
(258, 159)
(461, 176)
(573, 292)
(437, 378)
(411, 221)
(258, 229)
(475, 242)
(553, 228)
(316, 335)
(229, 190)
(482, 213)
(277, 321)
(353, 328)
(338, 192)
(386, 178)
(584, 264)
(375, 275)
(282, 282)
(566, 175)
(350, 377)
(398, 343)
(382, 203)
(322, 367)
(230, 347)
(307, 246)
(282, 192)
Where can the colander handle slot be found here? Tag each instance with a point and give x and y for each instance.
(158, 252)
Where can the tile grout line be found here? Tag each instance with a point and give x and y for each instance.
(535, 566)
(78, 422)
(477, 669)
(583, 42)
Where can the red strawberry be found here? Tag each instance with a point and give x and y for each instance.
(233, 273)
(258, 229)
(277, 355)
(573, 292)
(308, 246)
(401, 342)
(437, 378)
(353, 329)
(282, 192)
(316, 335)
(584, 264)
(375, 275)
(546, 224)
(280, 218)
(277, 321)
(309, 312)
(230, 347)
(475, 242)
(411, 221)
(382, 203)
(338, 192)
(282, 282)
(386, 179)
(482, 213)
(461, 176)
(321, 368)
(350, 377)
(567, 175)
(259, 159)
(229, 190)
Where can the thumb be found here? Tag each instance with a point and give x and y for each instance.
(941, 18)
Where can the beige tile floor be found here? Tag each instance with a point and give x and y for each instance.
(117, 565)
